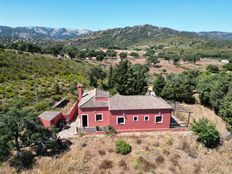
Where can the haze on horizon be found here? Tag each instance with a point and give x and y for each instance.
(190, 15)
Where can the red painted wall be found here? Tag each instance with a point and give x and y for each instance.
(141, 124)
(91, 116)
(72, 112)
(110, 118)
(48, 123)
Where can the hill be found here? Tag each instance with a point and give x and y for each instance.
(38, 81)
(39, 33)
(145, 35)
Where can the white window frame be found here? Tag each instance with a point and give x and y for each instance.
(161, 119)
(121, 123)
(135, 116)
(96, 117)
(146, 116)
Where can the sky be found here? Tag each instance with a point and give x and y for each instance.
(184, 15)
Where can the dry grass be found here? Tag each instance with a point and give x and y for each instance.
(185, 155)
(158, 152)
(200, 111)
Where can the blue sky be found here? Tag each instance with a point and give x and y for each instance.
(188, 15)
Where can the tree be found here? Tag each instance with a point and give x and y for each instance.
(56, 88)
(20, 128)
(96, 73)
(55, 49)
(175, 59)
(226, 109)
(111, 53)
(206, 132)
(71, 51)
(100, 55)
(137, 80)
(152, 60)
(134, 54)
(123, 55)
(110, 78)
(121, 76)
(212, 68)
(159, 84)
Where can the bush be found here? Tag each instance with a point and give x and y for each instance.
(122, 147)
(144, 165)
(228, 66)
(102, 152)
(106, 164)
(159, 159)
(206, 132)
(134, 54)
(110, 131)
(40, 106)
(212, 68)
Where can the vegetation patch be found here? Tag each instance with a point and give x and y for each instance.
(206, 132)
(123, 147)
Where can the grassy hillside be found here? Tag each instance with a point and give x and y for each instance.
(131, 36)
(165, 152)
(145, 35)
(37, 81)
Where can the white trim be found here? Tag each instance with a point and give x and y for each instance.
(161, 119)
(120, 117)
(87, 120)
(146, 116)
(135, 116)
(96, 117)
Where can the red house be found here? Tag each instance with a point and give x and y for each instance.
(49, 118)
(96, 109)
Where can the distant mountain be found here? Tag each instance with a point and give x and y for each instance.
(39, 33)
(217, 35)
(143, 35)
(117, 37)
(124, 37)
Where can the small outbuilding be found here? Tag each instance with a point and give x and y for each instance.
(49, 118)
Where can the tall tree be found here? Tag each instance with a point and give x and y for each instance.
(121, 76)
(137, 80)
(96, 73)
(110, 77)
(159, 84)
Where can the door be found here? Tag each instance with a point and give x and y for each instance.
(84, 121)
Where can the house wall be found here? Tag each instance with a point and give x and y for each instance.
(130, 125)
(58, 118)
(54, 121)
(72, 112)
(91, 116)
(46, 123)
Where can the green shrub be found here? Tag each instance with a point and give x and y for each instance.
(122, 147)
(40, 106)
(228, 66)
(134, 54)
(206, 132)
(110, 131)
(212, 68)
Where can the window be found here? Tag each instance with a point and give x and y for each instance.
(99, 117)
(121, 120)
(159, 119)
(146, 118)
(135, 118)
